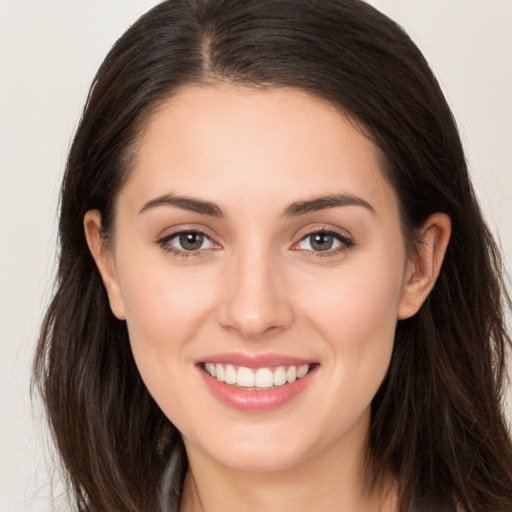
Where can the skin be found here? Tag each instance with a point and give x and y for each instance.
(258, 287)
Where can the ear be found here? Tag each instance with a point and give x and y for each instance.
(104, 259)
(425, 265)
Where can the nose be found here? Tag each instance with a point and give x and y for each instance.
(256, 302)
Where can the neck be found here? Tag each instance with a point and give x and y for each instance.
(331, 480)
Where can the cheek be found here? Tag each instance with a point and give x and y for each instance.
(165, 308)
(358, 299)
(356, 312)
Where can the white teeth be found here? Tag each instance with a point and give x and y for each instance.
(280, 376)
(210, 368)
(262, 378)
(291, 374)
(302, 371)
(230, 375)
(245, 377)
(219, 370)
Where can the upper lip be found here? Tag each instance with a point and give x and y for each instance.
(255, 360)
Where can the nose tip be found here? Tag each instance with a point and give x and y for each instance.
(251, 325)
(256, 305)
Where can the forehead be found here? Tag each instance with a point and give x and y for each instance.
(222, 142)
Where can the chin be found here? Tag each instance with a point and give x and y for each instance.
(261, 449)
(261, 459)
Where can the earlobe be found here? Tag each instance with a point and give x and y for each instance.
(424, 267)
(103, 257)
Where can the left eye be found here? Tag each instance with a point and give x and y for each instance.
(189, 241)
(321, 241)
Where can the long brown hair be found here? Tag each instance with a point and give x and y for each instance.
(437, 421)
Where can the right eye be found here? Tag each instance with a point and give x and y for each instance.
(184, 242)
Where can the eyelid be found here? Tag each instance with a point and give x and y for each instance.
(181, 233)
(163, 240)
(346, 240)
(324, 228)
(180, 229)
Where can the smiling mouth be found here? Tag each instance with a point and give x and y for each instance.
(261, 379)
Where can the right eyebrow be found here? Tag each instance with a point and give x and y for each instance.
(185, 203)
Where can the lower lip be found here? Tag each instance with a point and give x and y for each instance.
(250, 400)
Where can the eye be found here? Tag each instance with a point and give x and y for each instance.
(186, 241)
(324, 241)
(319, 242)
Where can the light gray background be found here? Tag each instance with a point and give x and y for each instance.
(49, 52)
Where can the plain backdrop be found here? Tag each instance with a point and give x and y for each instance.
(49, 52)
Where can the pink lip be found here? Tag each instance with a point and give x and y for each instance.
(250, 400)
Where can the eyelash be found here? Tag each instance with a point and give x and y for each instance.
(346, 243)
(164, 243)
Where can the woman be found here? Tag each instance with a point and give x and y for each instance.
(276, 289)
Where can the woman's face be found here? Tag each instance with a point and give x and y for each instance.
(256, 240)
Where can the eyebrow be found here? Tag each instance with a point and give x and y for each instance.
(293, 210)
(324, 203)
(185, 203)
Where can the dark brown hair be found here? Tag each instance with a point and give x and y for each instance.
(436, 420)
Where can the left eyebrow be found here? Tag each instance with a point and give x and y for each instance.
(324, 203)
